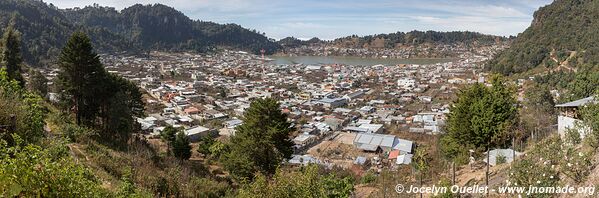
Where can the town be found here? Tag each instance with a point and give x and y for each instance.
(347, 116)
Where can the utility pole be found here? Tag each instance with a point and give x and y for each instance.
(488, 164)
(453, 173)
(384, 186)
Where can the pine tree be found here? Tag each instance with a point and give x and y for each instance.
(261, 143)
(81, 79)
(11, 54)
(181, 146)
(122, 102)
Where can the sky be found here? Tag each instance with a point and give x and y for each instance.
(329, 19)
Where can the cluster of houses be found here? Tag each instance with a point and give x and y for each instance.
(403, 51)
(207, 94)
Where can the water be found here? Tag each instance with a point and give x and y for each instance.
(346, 60)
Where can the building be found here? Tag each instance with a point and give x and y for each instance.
(379, 142)
(353, 96)
(332, 102)
(366, 128)
(406, 83)
(196, 133)
(569, 118)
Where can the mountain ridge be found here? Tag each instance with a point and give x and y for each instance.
(561, 28)
(45, 28)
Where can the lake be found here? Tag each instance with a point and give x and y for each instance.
(349, 60)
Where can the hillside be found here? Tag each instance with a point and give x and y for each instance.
(139, 27)
(560, 30)
(397, 39)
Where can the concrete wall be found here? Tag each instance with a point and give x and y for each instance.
(564, 123)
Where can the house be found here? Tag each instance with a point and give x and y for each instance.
(334, 123)
(404, 159)
(353, 96)
(406, 83)
(379, 142)
(366, 128)
(304, 139)
(332, 102)
(198, 132)
(313, 67)
(569, 118)
(231, 124)
(367, 109)
(303, 160)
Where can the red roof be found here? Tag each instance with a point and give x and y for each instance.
(393, 154)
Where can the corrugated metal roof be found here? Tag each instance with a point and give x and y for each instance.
(404, 159)
(577, 103)
(376, 139)
(403, 145)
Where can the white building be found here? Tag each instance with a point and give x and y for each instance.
(406, 83)
(569, 118)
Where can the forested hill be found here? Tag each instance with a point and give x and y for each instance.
(45, 28)
(398, 39)
(562, 35)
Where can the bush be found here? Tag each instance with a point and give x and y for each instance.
(368, 178)
(500, 159)
(31, 171)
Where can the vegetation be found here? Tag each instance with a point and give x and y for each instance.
(99, 100)
(563, 30)
(591, 119)
(481, 118)
(27, 109)
(181, 146)
(305, 183)
(261, 143)
(137, 28)
(38, 84)
(32, 171)
(549, 163)
(418, 37)
(11, 54)
(31, 167)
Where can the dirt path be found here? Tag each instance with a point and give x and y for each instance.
(564, 64)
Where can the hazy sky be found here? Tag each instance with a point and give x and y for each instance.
(329, 19)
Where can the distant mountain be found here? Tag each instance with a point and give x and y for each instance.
(291, 42)
(399, 39)
(563, 34)
(45, 29)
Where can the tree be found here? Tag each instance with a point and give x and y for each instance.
(80, 78)
(39, 84)
(11, 53)
(181, 146)
(261, 143)
(122, 101)
(168, 134)
(480, 118)
(217, 149)
(590, 116)
(420, 162)
(204, 145)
